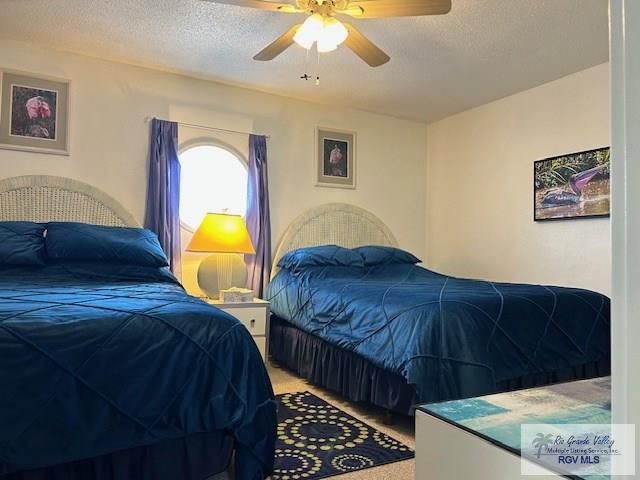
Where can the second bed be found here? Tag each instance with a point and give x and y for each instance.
(394, 334)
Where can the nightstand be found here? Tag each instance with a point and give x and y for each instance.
(254, 316)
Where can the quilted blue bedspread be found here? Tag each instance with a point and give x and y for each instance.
(96, 358)
(449, 337)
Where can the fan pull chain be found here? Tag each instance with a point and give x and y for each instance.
(306, 76)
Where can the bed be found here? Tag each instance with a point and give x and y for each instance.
(111, 371)
(395, 335)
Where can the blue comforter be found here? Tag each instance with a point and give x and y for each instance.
(100, 358)
(449, 337)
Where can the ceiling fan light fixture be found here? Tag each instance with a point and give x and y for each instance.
(334, 31)
(303, 40)
(327, 31)
(325, 45)
(310, 31)
(322, 29)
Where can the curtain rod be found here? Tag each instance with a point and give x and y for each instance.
(206, 127)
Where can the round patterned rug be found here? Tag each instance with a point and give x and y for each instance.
(317, 440)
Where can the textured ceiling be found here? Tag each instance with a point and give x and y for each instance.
(481, 51)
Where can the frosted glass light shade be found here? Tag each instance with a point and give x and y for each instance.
(334, 31)
(325, 46)
(310, 31)
(328, 32)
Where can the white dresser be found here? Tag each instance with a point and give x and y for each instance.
(254, 316)
(480, 438)
(447, 452)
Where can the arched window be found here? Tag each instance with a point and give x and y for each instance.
(212, 179)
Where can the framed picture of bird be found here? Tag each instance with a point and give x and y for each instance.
(34, 113)
(574, 185)
(335, 158)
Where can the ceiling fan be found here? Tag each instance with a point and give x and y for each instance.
(323, 29)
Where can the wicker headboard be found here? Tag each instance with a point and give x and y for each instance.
(334, 223)
(43, 198)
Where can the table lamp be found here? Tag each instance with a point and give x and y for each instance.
(225, 236)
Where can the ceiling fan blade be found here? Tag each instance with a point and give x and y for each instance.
(364, 48)
(396, 8)
(278, 46)
(261, 4)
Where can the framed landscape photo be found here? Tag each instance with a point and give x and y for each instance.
(575, 185)
(335, 158)
(34, 113)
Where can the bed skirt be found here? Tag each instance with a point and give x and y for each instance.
(195, 457)
(357, 379)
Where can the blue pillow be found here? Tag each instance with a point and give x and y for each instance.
(81, 242)
(323, 256)
(379, 255)
(22, 243)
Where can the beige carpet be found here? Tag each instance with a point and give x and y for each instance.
(403, 430)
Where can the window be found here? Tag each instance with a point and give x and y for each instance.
(212, 179)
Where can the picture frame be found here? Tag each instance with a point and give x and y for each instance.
(335, 158)
(34, 112)
(571, 186)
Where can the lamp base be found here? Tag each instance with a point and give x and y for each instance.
(221, 271)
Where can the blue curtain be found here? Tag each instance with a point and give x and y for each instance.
(163, 193)
(258, 216)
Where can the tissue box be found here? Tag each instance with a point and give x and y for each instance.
(236, 295)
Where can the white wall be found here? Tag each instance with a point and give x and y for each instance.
(109, 139)
(479, 183)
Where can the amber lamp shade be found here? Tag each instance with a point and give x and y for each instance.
(221, 233)
(225, 236)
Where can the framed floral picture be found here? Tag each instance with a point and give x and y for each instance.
(34, 113)
(335, 158)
